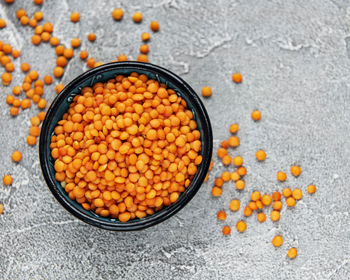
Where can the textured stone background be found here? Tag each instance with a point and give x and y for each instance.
(294, 56)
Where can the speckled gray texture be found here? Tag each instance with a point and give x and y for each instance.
(294, 56)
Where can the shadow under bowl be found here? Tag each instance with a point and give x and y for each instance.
(103, 73)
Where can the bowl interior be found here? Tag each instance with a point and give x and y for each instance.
(102, 74)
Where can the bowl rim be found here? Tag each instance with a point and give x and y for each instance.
(160, 216)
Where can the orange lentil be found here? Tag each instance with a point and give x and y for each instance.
(10, 99)
(240, 184)
(290, 201)
(226, 176)
(277, 205)
(33, 75)
(91, 37)
(255, 196)
(59, 88)
(145, 37)
(38, 2)
(6, 78)
(25, 103)
(137, 17)
(34, 131)
(218, 182)
(20, 13)
(83, 55)
(14, 111)
(48, 27)
(227, 160)
(122, 57)
(59, 50)
(311, 189)
(266, 199)
(226, 230)
(117, 14)
(252, 205)
(2, 23)
(276, 196)
(259, 204)
(281, 176)
(224, 144)
(261, 217)
(48, 79)
(295, 170)
(5, 59)
(33, 22)
(237, 78)
(42, 104)
(221, 152)
(16, 53)
(292, 253)
(45, 36)
(215, 191)
(2, 205)
(221, 215)
(206, 91)
(235, 176)
(275, 215)
(247, 211)
(142, 58)
(38, 15)
(256, 115)
(68, 53)
(38, 29)
(58, 72)
(61, 61)
(241, 226)
(297, 194)
(31, 140)
(144, 49)
(16, 102)
(98, 63)
(16, 156)
(10, 67)
(7, 48)
(234, 205)
(75, 43)
(41, 116)
(242, 171)
(36, 39)
(286, 192)
(234, 141)
(91, 62)
(234, 128)
(238, 161)
(154, 26)
(54, 41)
(25, 67)
(7, 180)
(75, 17)
(277, 241)
(24, 20)
(260, 155)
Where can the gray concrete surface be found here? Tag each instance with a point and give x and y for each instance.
(295, 60)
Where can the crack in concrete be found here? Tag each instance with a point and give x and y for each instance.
(211, 49)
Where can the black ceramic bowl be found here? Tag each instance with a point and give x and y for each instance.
(101, 74)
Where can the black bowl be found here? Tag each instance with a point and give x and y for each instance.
(101, 74)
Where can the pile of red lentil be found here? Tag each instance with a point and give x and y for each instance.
(258, 202)
(126, 147)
